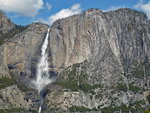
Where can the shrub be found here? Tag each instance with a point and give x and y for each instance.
(133, 108)
(134, 88)
(12, 110)
(20, 85)
(122, 87)
(138, 73)
(75, 81)
(17, 29)
(81, 109)
(148, 110)
(5, 82)
(1, 96)
(148, 98)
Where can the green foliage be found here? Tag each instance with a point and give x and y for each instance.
(5, 82)
(133, 108)
(138, 106)
(20, 85)
(86, 88)
(1, 41)
(33, 111)
(73, 85)
(76, 81)
(112, 109)
(69, 84)
(17, 29)
(99, 95)
(134, 88)
(147, 111)
(122, 87)
(148, 98)
(12, 110)
(1, 96)
(139, 69)
(129, 27)
(81, 109)
(138, 73)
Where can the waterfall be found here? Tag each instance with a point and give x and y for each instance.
(42, 74)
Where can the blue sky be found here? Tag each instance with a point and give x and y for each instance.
(24, 12)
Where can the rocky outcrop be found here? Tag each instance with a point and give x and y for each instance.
(18, 99)
(21, 53)
(5, 24)
(12, 97)
(116, 48)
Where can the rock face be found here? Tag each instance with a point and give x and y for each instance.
(113, 52)
(12, 97)
(21, 53)
(5, 24)
(93, 32)
(16, 100)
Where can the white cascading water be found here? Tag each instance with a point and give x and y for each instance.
(42, 74)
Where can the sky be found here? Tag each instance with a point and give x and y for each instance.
(24, 12)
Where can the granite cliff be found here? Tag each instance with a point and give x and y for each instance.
(102, 59)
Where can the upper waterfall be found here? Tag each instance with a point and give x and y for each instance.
(42, 74)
